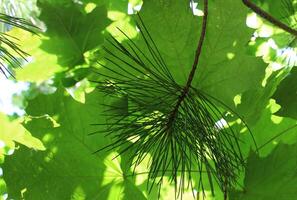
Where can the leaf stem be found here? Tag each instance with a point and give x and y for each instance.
(194, 66)
(269, 17)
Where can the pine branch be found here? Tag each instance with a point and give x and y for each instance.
(196, 61)
(269, 17)
(176, 125)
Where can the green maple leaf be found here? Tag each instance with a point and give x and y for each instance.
(71, 32)
(286, 95)
(12, 134)
(68, 160)
(272, 177)
(224, 58)
(270, 130)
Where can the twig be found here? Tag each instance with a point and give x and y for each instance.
(269, 17)
(194, 66)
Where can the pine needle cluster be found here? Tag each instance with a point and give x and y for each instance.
(176, 125)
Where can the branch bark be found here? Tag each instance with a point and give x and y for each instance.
(195, 64)
(269, 17)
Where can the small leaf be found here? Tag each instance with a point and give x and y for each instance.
(12, 131)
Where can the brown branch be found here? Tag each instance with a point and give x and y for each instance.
(198, 50)
(269, 17)
(194, 66)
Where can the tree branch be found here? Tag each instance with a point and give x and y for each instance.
(194, 66)
(269, 17)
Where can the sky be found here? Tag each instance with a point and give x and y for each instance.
(7, 89)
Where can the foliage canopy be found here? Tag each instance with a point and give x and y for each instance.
(244, 89)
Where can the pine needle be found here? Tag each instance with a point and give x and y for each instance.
(10, 51)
